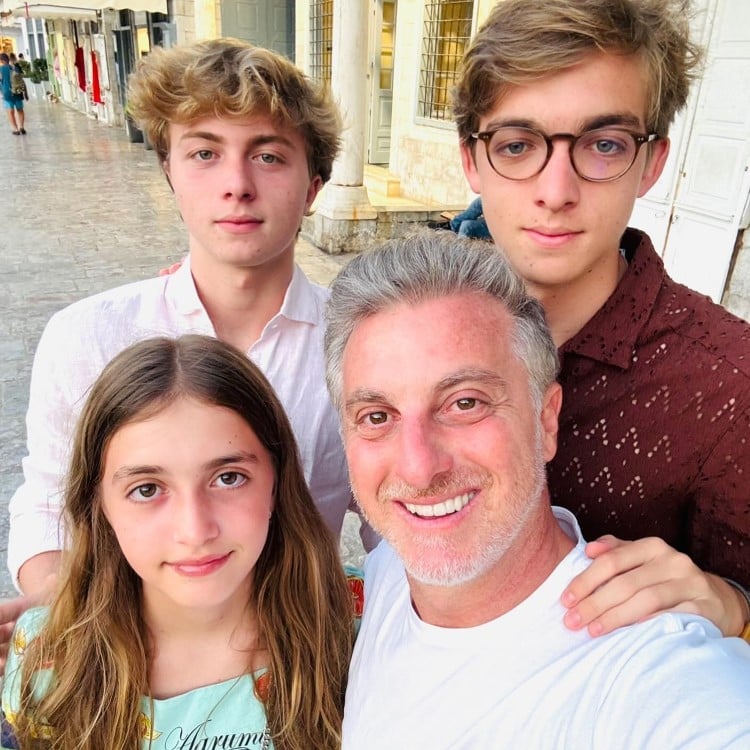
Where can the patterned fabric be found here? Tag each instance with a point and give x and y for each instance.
(7, 735)
(185, 721)
(656, 419)
(226, 714)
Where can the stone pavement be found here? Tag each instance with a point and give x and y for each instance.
(83, 210)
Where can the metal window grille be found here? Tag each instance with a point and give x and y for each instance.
(446, 34)
(321, 39)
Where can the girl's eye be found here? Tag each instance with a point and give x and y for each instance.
(231, 479)
(144, 492)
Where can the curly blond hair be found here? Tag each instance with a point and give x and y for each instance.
(230, 78)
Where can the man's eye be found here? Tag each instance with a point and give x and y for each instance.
(269, 158)
(377, 418)
(204, 154)
(516, 148)
(464, 404)
(607, 147)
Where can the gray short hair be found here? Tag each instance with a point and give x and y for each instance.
(426, 266)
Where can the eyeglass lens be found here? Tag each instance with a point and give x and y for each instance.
(602, 154)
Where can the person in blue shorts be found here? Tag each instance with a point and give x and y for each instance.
(13, 102)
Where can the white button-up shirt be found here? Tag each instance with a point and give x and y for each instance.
(79, 341)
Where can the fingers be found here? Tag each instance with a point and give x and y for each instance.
(6, 632)
(629, 598)
(169, 270)
(612, 557)
(603, 544)
(10, 611)
(631, 581)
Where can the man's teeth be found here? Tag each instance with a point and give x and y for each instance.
(440, 509)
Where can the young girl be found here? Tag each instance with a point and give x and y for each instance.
(203, 604)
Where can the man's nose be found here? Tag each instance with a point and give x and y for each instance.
(422, 453)
(239, 180)
(558, 186)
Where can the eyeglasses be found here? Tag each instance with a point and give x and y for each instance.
(597, 155)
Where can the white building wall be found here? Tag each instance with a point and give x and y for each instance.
(737, 295)
(424, 155)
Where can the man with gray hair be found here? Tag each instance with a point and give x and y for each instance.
(443, 372)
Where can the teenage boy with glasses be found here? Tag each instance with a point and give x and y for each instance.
(572, 102)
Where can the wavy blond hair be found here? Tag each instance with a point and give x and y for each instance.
(525, 40)
(230, 78)
(95, 637)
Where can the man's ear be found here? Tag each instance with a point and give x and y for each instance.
(657, 158)
(165, 168)
(316, 183)
(468, 162)
(551, 405)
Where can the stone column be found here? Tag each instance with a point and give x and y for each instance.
(112, 95)
(344, 218)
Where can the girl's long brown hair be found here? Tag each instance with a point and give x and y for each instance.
(95, 637)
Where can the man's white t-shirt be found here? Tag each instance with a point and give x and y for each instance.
(525, 682)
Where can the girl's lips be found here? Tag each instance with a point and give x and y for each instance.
(201, 567)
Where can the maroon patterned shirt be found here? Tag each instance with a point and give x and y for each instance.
(655, 423)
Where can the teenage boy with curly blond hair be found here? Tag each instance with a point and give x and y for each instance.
(246, 141)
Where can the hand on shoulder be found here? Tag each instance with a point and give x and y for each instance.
(630, 581)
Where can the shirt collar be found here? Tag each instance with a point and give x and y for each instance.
(181, 292)
(610, 336)
(300, 301)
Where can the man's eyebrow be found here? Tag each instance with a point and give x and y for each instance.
(615, 119)
(455, 379)
(612, 119)
(205, 135)
(364, 396)
(512, 122)
(472, 374)
(258, 140)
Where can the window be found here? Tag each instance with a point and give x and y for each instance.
(446, 33)
(321, 39)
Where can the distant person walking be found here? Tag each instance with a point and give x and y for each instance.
(12, 89)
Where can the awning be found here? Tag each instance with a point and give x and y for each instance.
(150, 6)
(44, 10)
(84, 9)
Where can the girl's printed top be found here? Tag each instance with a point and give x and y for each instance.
(227, 714)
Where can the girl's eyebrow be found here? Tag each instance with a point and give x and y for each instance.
(127, 472)
(234, 458)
